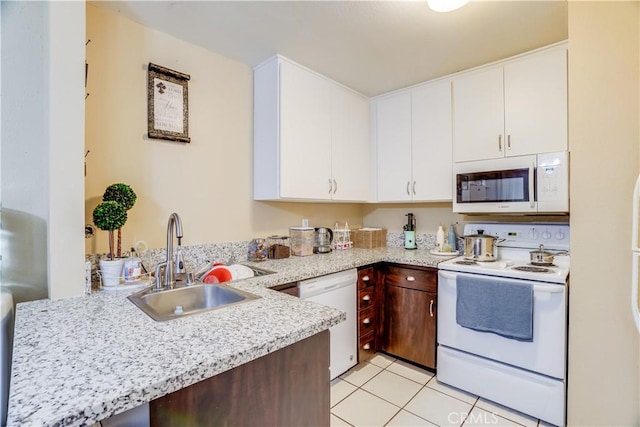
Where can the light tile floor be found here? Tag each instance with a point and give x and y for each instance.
(389, 392)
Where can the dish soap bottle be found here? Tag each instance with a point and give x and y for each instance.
(452, 238)
(440, 238)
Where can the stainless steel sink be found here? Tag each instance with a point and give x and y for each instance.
(259, 271)
(171, 304)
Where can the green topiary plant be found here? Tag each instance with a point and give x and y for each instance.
(109, 216)
(123, 194)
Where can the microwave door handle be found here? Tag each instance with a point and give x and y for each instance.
(532, 201)
(634, 291)
(635, 246)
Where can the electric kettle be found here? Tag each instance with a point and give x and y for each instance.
(322, 240)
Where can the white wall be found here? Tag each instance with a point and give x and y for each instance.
(428, 216)
(604, 134)
(42, 145)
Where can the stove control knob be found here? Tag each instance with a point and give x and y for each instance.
(546, 235)
(560, 235)
(533, 234)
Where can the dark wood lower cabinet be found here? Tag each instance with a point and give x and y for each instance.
(411, 327)
(288, 288)
(368, 310)
(289, 387)
(410, 312)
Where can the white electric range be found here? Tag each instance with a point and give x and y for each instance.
(513, 258)
(526, 373)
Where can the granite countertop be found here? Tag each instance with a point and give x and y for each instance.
(80, 360)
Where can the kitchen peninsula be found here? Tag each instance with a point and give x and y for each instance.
(81, 360)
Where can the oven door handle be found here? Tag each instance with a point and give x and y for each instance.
(550, 289)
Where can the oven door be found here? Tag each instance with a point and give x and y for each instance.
(500, 185)
(546, 354)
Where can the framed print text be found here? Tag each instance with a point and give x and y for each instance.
(167, 104)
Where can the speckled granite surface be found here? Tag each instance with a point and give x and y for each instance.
(300, 268)
(84, 359)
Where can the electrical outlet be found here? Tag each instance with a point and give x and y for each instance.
(305, 222)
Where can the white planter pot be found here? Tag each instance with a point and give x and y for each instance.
(111, 272)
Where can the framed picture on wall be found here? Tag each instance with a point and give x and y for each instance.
(167, 104)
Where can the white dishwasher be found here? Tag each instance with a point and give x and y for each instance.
(338, 291)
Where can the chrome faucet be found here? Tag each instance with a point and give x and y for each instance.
(169, 263)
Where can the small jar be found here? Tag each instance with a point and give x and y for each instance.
(258, 250)
(132, 269)
(278, 247)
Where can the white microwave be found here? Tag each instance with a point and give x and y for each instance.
(523, 184)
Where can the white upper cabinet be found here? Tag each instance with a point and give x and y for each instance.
(535, 99)
(478, 115)
(432, 153)
(393, 147)
(311, 136)
(350, 142)
(305, 133)
(514, 109)
(413, 144)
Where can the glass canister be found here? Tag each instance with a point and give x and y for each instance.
(301, 240)
(278, 247)
(258, 250)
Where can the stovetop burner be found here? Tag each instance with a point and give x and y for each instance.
(532, 269)
(540, 264)
(466, 262)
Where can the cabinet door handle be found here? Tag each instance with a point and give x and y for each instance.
(366, 321)
(411, 279)
(335, 187)
(499, 142)
(367, 346)
(414, 188)
(509, 142)
(366, 298)
(408, 184)
(365, 278)
(330, 186)
(431, 308)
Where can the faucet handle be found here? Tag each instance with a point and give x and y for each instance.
(189, 278)
(159, 282)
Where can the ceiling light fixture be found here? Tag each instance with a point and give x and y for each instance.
(446, 5)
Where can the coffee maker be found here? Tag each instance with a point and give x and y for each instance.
(322, 240)
(410, 232)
